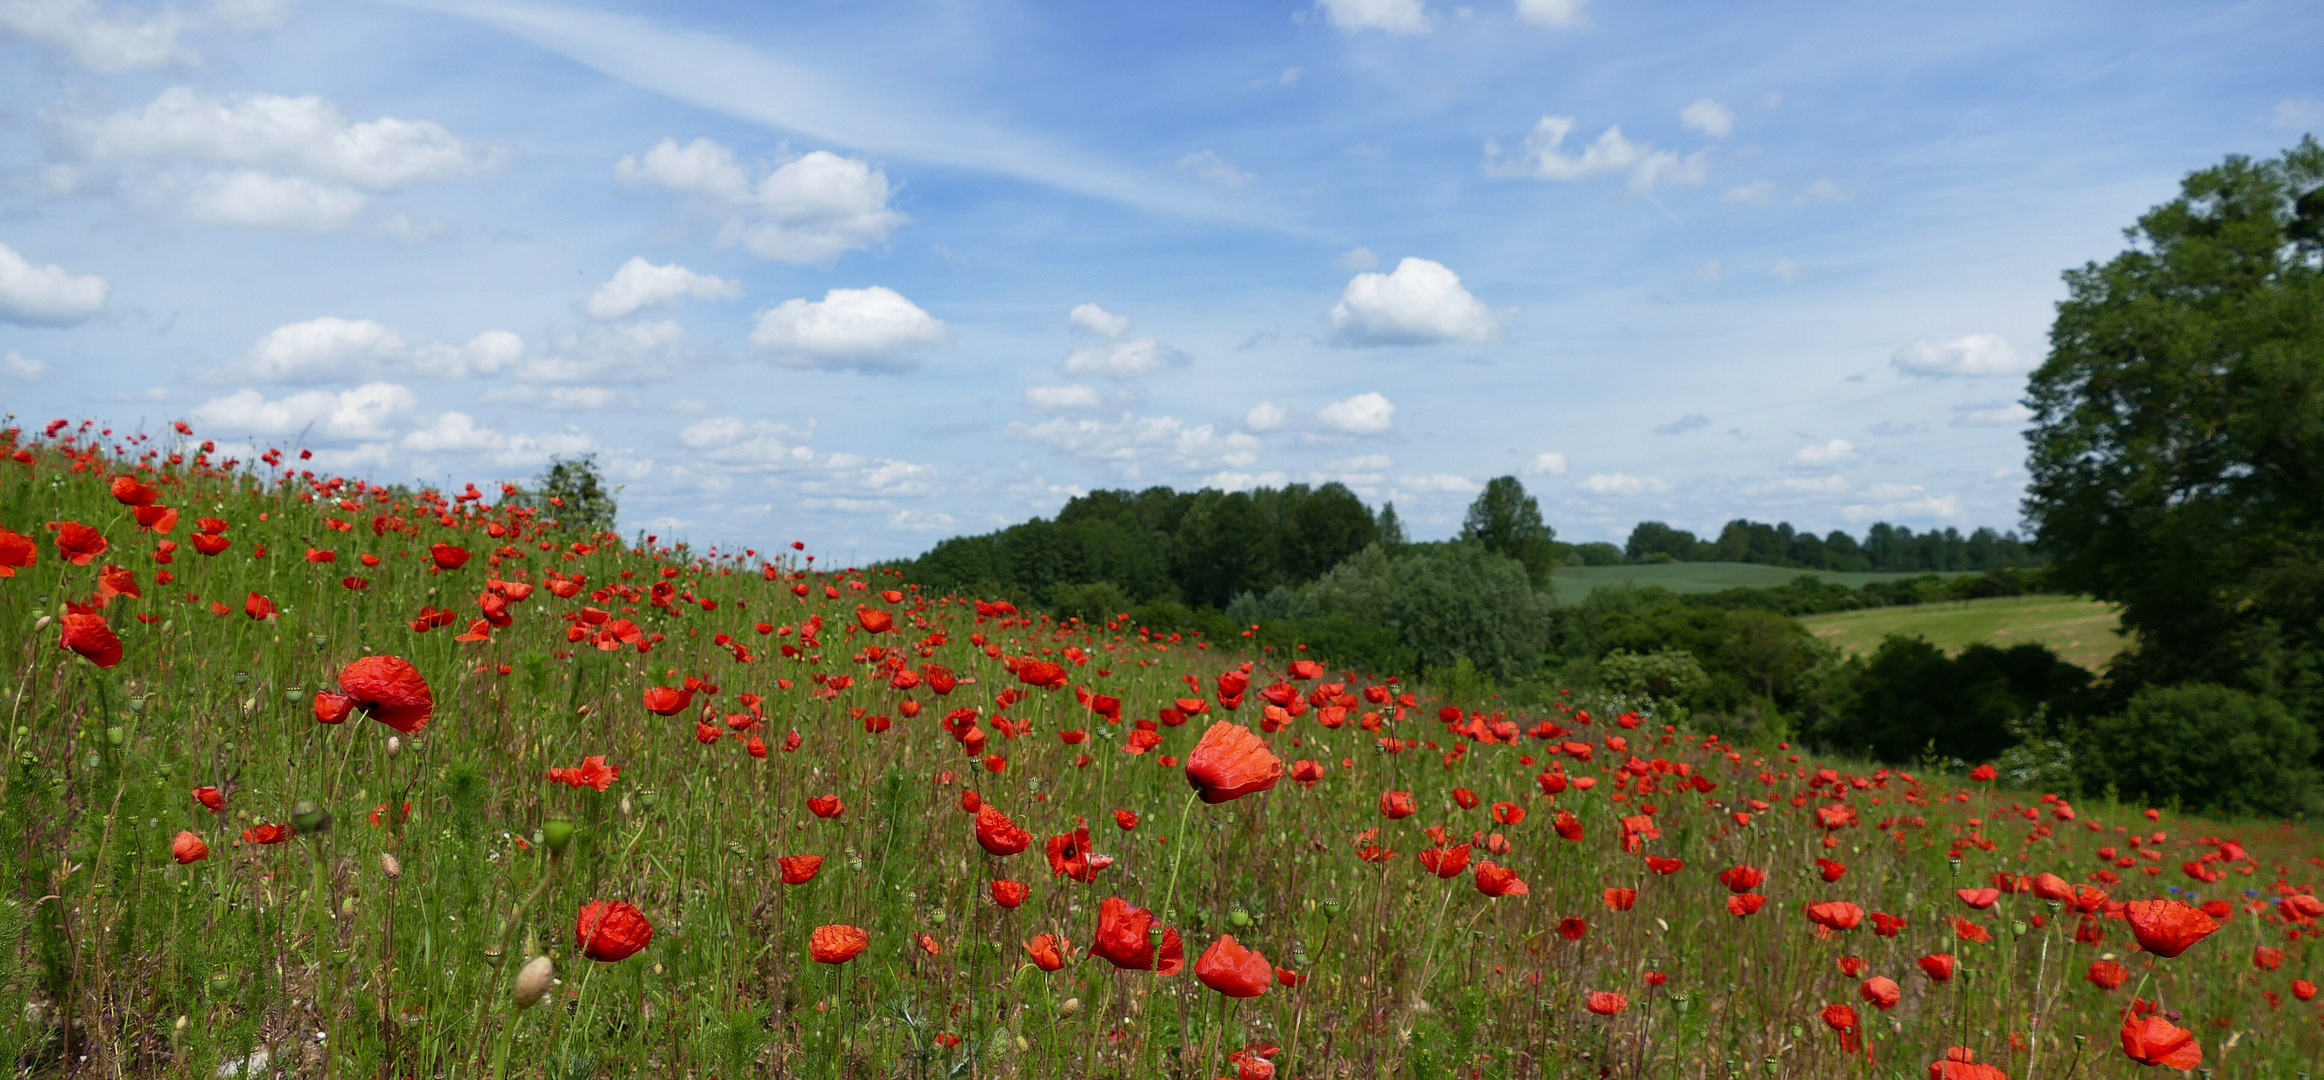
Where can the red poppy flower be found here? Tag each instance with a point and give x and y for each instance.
(2156, 1041)
(332, 707)
(825, 806)
(1568, 826)
(1466, 798)
(999, 835)
(1126, 820)
(17, 552)
(593, 772)
(77, 543)
(1445, 862)
(1010, 894)
(1607, 1003)
(1842, 1018)
(188, 848)
(1741, 878)
(1937, 966)
(1662, 865)
(1836, 914)
(1496, 880)
(390, 690)
(1978, 898)
(1069, 855)
(1041, 673)
(800, 869)
(266, 834)
(667, 700)
(1307, 772)
(1881, 991)
(1885, 924)
(2106, 974)
(1621, 899)
(1122, 939)
(1831, 871)
(1851, 966)
(1743, 904)
(210, 798)
(837, 943)
(2303, 989)
(117, 581)
(1572, 928)
(2167, 928)
(874, 621)
(611, 930)
(2051, 887)
(1233, 970)
(129, 492)
(1508, 813)
(1231, 762)
(2266, 959)
(448, 557)
(257, 606)
(928, 944)
(1398, 804)
(85, 632)
(210, 543)
(1960, 1063)
(1047, 952)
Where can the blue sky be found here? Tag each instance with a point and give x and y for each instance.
(871, 274)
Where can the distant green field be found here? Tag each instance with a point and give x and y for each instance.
(1574, 583)
(2081, 631)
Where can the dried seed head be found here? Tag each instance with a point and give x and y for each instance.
(532, 981)
(390, 867)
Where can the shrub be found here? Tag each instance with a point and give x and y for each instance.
(2207, 747)
(1910, 695)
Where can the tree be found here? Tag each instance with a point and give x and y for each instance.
(1321, 528)
(1507, 522)
(2177, 446)
(1224, 546)
(1391, 527)
(571, 492)
(1653, 538)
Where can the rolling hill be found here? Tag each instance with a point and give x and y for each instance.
(2080, 630)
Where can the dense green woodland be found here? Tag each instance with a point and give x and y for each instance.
(2177, 456)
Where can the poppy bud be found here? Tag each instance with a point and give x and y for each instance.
(389, 866)
(532, 981)
(310, 819)
(557, 833)
(394, 745)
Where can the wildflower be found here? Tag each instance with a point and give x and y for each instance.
(1123, 942)
(388, 689)
(1740, 878)
(1126, 820)
(2167, 928)
(211, 798)
(1047, 952)
(2106, 974)
(611, 930)
(593, 772)
(1231, 762)
(1445, 862)
(2155, 1041)
(1621, 899)
(1398, 804)
(85, 633)
(1233, 970)
(800, 869)
(1835, 914)
(997, 834)
(1607, 1003)
(1937, 966)
(1881, 991)
(837, 943)
(1010, 894)
(1960, 1063)
(1495, 880)
(825, 806)
(266, 834)
(1069, 855)
(1743, 904)
(188, 848)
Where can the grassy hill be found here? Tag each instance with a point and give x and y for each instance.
(1573, 583)
(2082, 631)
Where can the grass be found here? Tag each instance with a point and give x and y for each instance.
(121, 961)
(1572, 584)
(2080, 630)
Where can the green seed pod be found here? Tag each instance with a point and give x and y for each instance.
(1331, 908)
(310, 819)
(115, 735)
(1240, 918)
(557, 833)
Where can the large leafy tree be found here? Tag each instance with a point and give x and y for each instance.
(572, 492)
(2177, 447)
(1507, 522)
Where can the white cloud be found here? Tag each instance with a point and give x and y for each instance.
(1975, 354)
(254, 14)
(22, 368)
(1800, 485)
(331, 348)
(555, 398)
(264, 200)
(47, 295)
(1131, 439)
(97, 39)
(406, 228)
(1546, 464)
(1093, 319)
(1361, 463)
(754, 444)
(460, 433)
(1438, 484)
(1787, 271)
(1553, 12)
(1063, 398)
(1991, 414)
(1266, 416)
(1755, 193)
(1243, 481)
(370, 411)
(811, 209)
(1209, 166)
(1821, 455)
(624, 352)
(1357, 259)
(1124, 359)
(867, 329)
(1367, 413)
(909, 520)
(1622, 484)
(2300, 113)
(1420, 303)
(640, 284)
(1708, 117)
(1393, 16)
(1902, 500)
(1543, 157)
(303, 135)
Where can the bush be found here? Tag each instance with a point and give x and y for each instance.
(2206, 747)
(1910, 695)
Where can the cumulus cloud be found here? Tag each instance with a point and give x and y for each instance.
(1438, 484)
(370, 411)
(1821, 455)
(98, 39)
(1421, 303)
(1546, 464)
(462, 434)
(1266, 416)
(1991, 414)
(1092, 319)
(872, 329)
(554, 398)
(1243, 481)
(332, 349)
(263, 200)
(1622, 484)
(1129, 440)
(1207, 165)
(810, 209)
(1063, 398)
(46, 295)
(1890, 501)
(22, 368)
(640, 284)
(1367, 413)
(1553, 12)
(1544, 157)
(757, 444)
(1393, 16)
(1124, 359)
(1708, 117)
(1973, 355)
(1800, 485)
(1361, 463)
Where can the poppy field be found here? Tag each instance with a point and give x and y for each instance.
(311, 777)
